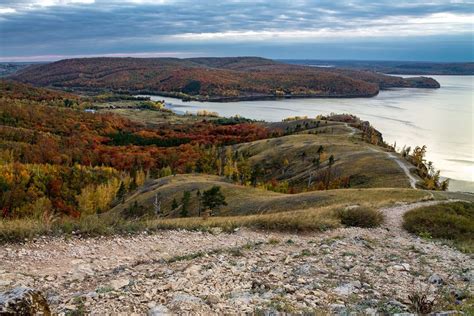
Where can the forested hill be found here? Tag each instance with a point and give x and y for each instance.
(215, 79)
(393, 67)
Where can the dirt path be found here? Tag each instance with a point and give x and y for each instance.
(353, 130)
(394, 214)
(392, 156)
(411, 178)
(342, 270)
(403, 165)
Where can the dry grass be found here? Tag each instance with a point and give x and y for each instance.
(303, 220)
(245, 200)
(354, 157)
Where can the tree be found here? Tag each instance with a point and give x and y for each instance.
(157, 205)
(174, 204)
(198, 195)
(185, 203)
(320, 151)
(330, 164)
(303, 156)
(213, 198)
(257, 172)
(133, 185)
(122, 191)
(285, 164)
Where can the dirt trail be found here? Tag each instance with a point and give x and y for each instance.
(201, 273)
(353, 130)
(394, 214)
(411, 178)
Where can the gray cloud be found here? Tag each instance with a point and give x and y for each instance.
(73, 27)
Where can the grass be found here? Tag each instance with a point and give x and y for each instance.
(361, 217)
(453, 222)
(354, 157)
(248, 207)
(109, 224)
(247, 200)
(303, 220)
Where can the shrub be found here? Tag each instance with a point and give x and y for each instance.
(361, 217)
(452, 221)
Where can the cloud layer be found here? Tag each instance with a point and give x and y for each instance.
(52, 29)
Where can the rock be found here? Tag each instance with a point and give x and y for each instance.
(119, 283)
(345, 289)
(459, 294)
(402, 267)
(23, 301)
(193, 270)
(215, 230)
(159, 310)
(338, 308)
(435, 279)
(213, 299)
(305, 269)
(186, 298)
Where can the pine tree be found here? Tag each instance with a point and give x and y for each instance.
(185, 203)
(213, 198)
(198, 195)
(122, 191)
(330, 164)
(174, 204)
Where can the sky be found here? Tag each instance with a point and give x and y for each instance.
(428, 30)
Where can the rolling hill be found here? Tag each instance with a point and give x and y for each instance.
(212, 79)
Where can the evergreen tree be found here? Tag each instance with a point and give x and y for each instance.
(198, 195)
(330, 164)
(122, 191)
(185, 203)
(213, 198)
(133, 185)
(174, 204)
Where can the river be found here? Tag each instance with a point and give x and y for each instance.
(442, 119)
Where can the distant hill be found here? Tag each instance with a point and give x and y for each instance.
(213, 79)
(393, 67)
(12, 67)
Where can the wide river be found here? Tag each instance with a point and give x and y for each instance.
(442, 119)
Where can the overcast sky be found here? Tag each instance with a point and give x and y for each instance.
(432, 30)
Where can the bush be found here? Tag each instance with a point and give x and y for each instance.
(451, 221)
(361, 217)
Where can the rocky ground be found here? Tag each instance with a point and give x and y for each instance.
(343, 270)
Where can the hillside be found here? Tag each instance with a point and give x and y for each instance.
(394, 67)
(108, 205)
(214, 79)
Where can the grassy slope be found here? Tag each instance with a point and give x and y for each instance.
(383, 180)
(244, 200)
(353, 157)
(453, 222)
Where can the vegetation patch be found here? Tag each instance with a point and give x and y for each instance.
(449, 221)
(361, 217)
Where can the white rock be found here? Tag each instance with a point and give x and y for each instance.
(119, 283)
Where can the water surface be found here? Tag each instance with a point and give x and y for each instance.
(442, 119)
